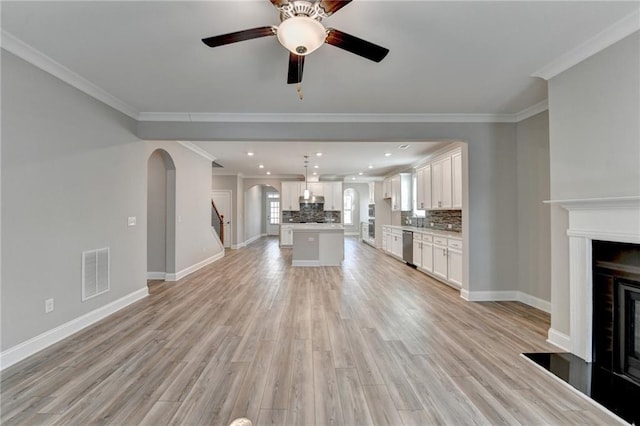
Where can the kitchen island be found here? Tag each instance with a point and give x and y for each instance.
(318, 244)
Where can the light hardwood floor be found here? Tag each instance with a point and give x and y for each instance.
(371, 342)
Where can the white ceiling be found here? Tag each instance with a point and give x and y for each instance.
(445, 57)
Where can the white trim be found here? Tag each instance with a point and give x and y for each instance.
(25, 349)
(12, 44)
(193, 268)
(247, 242)
(305, 263)
(204, 117)
(195, 148)
(561, 340)
(576, 391)
(506, 296)
(629, 202)
(532, 110)
(616, 32)
(156, 275)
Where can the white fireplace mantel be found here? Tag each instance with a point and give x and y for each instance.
(604, 219)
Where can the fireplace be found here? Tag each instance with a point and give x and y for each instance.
(616, 308)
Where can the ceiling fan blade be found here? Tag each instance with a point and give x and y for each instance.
(223, 39)
(356, 45)
(296, 65)
(332, 6)
(277, 3)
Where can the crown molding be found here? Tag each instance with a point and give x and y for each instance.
(532, 110)
(22, 50)
(340, 118)
(195, 148)
(610, 35)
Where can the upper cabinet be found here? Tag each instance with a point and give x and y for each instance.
(401, 192)
(439, 183)
(290, 197)
(316, 188)
(456, 178)
(423, 187)
(332, 196)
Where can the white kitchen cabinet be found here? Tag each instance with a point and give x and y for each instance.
(333, 196)
(401, 192)
(417, 249)
(456, 180)
(364, 231)
(386, 188)
(290, 197)
(441, 184)
(440, 267)
(454, 262)
(286, 235)
(396, 243)
(386, 239)
(427, 253)
(423, 187)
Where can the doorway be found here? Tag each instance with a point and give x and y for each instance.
(272, 207)
(222, 201)
(161, 215)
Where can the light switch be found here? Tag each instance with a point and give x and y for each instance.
(179, 219)
(131, 221)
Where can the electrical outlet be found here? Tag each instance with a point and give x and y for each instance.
(449, 226)
(48, 306)
(431, 224)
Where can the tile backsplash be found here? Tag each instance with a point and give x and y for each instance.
(311, 213)
(440, 219)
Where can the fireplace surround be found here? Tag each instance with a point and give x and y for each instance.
(599, 219)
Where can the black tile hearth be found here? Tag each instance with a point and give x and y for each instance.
(617, 394)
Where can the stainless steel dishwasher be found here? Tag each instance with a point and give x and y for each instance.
(407, 247)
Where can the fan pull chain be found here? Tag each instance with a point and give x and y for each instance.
(299, 89)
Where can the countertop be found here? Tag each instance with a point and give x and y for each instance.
(315, 226)
(447, 234)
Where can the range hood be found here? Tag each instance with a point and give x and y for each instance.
(313, 199)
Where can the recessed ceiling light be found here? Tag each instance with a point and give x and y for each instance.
(316, 166)
(404, 146)
(261, 166)
(360, 173)
(250, 154)
(387, 154)
(318, 154)
(268, 173)
(370, 166)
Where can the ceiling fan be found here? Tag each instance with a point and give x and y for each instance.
(301, 32)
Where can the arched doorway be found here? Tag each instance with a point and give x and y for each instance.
(161, 215)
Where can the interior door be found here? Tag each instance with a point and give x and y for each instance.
(222, 200)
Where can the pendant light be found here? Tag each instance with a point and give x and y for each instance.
(306, 194)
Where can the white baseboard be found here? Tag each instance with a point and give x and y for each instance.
(25, 349)
(246, 243)
(501, 296)
(193, 268)
(156, 275)
(559, 339)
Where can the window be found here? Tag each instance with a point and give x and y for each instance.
(348, 207)
(274, 207)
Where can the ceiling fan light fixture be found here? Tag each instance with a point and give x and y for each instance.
(301, 35)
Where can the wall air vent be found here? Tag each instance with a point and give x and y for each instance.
(95, 273)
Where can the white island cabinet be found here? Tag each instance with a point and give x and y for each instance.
(317, 244)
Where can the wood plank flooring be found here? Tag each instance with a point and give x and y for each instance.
(370, 342)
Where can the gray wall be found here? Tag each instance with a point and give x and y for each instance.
(73, 170)
(534, 229)
(156, 213)
(254, 214)
(594, 125)
(492, 156)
